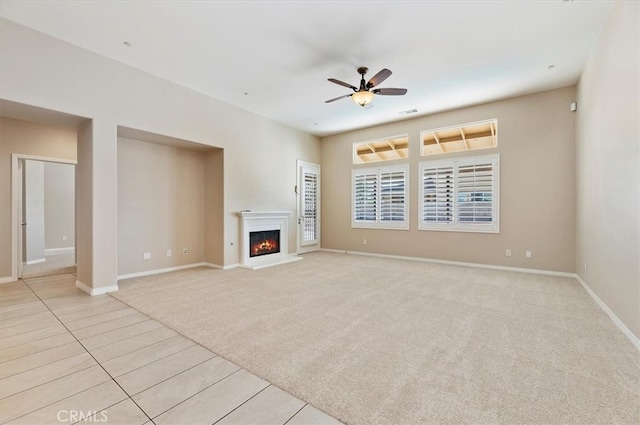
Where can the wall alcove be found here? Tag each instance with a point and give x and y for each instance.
(170, 203)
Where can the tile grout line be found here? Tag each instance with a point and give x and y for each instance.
(105, 409)
(111, 330)
(33, 368)
(54, 379)
(163, 358)
(35, 352)
(173, 376)
(109, 312)
(57, 401)
(243, 403)
(294, 415)
(141, 348)
(24, 323)
(96, 360)
(120, 340)
(25, 333)
(23, 306)
(62, 318)
(195, 394)
(20, 327)
(53, 325)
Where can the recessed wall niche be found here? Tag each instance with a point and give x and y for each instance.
(170, 203)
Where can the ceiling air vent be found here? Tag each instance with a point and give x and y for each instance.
(408, 112)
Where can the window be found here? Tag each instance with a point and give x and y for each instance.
(396, 147)
(380, 197)
(460, 194)
(460, 138)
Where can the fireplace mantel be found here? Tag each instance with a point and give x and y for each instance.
(255, 221)
(264, 214)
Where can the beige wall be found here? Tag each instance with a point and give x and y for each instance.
(23, 137)
(214, 207)
(608, 167)
(161, 206)
(111, 94)
(537, 187)
(59, 205)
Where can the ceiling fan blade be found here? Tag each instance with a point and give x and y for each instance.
(342, 83)
(337, 98)
(390, 92)
(378, 78)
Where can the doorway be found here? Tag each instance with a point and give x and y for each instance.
(43, 200)
(308, 207)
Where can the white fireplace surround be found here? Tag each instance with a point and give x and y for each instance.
(264, 221)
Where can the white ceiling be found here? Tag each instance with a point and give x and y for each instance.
(274, 57)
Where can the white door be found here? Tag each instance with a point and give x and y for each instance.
(20, 231)
(308, 207)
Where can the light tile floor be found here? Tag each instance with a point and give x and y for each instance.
(66, 357)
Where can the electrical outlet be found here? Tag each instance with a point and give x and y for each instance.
(508, 253)
(527, 254)
(364, 242)
(146, 256)
(64, 238)
(169, 253)
(185, 251)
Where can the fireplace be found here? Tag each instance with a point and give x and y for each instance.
(264, 239)
(264, 242)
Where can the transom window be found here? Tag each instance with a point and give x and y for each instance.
(381, 197)
(387, 149)
(460, 138)
(460, 194)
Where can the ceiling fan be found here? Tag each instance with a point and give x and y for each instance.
(364, 95)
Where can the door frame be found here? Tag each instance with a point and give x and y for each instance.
(299, 226)
(17, 185)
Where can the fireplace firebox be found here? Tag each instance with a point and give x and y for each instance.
(264, 242)
(264, 239)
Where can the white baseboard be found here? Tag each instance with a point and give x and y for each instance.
(7, 279)
(39, 260)
(166, 270)
(96, 291)
(218, 266)
(59, 251)
(455, 263)
(634, 339)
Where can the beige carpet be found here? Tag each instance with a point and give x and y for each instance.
(380, 341)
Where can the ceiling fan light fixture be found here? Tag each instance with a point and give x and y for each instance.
(362, 98)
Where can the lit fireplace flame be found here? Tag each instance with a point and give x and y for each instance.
(264, 247)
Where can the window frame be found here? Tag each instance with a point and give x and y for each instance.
(492, 122)
(378, 172)
(356, 160)
(455, 225)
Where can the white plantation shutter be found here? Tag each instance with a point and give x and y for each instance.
(392, 196)
(310, 206)
(437, 194)
(460, 194)
(380, 197)
(475, 193)
(365, 197)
